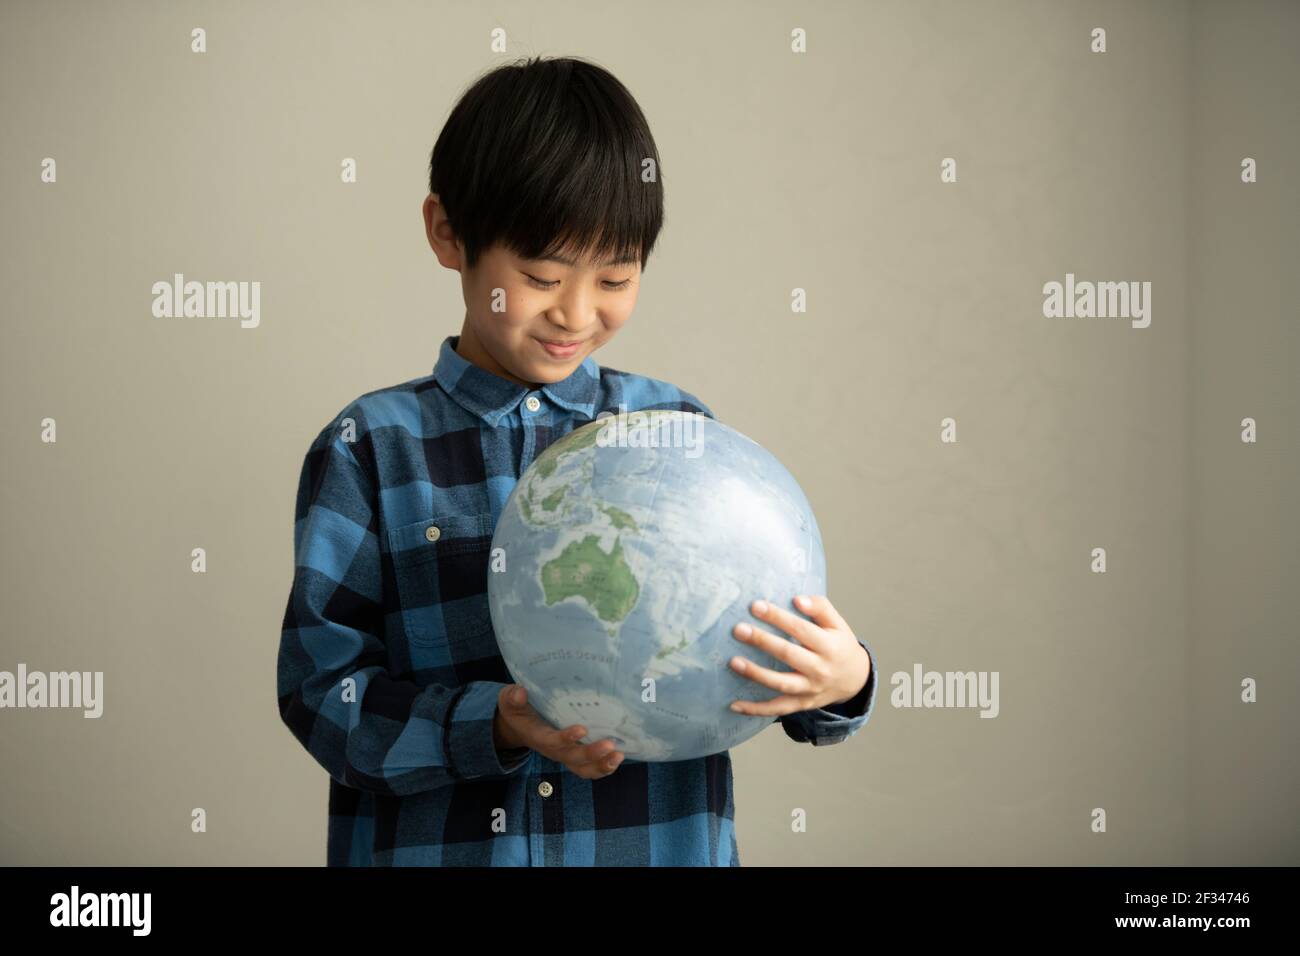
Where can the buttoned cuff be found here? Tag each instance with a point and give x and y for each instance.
(836, 722)
(468, 740)
(514, 758)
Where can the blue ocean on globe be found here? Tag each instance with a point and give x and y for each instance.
(621, 562)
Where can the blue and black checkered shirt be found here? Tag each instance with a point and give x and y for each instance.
(389, 671)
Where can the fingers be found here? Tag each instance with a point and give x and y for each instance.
(787, 682)
(774, 707)
(799, 658)
(602, 759)
(514, 698)
(821, 610)
(801, 629)
(590, 761)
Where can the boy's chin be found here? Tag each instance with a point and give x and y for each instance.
(544, 376)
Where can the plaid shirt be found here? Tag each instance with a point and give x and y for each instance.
(388, 669)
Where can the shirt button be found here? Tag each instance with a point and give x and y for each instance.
(533, 403)
(545, 788)
(432, 532)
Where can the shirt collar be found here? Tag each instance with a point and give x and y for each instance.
(490, 396)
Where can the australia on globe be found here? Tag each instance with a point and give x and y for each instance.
(622, 560)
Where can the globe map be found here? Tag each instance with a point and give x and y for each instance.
(623, 558)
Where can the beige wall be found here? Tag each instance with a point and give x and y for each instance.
(1243, 246)
(819, 171)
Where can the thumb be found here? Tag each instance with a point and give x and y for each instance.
(516, 696)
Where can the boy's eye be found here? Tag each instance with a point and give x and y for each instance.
(540, 284)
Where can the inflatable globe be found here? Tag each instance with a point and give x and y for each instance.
(627, 553)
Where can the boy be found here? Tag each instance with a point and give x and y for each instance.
(388, 670)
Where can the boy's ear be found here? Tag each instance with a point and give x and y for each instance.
(442, 240)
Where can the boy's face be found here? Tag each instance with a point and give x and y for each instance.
(581, 302)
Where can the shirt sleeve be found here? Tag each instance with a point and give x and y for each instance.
(830, 725)
(689, 403)
(368, 729)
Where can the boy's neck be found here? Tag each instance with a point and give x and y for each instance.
(471, 350)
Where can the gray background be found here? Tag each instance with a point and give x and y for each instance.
(817, 171)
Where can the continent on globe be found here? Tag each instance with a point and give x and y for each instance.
(603, 581)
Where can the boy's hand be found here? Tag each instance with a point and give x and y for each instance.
(517, 724)
(828, 665)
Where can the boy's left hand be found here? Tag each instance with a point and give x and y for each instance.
(828, 665)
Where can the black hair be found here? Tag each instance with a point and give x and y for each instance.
(545, 156)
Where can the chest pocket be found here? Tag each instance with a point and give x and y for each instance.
(441, 567)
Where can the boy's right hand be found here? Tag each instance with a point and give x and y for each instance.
(517, 724)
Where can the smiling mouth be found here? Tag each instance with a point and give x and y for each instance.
(560, 345)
